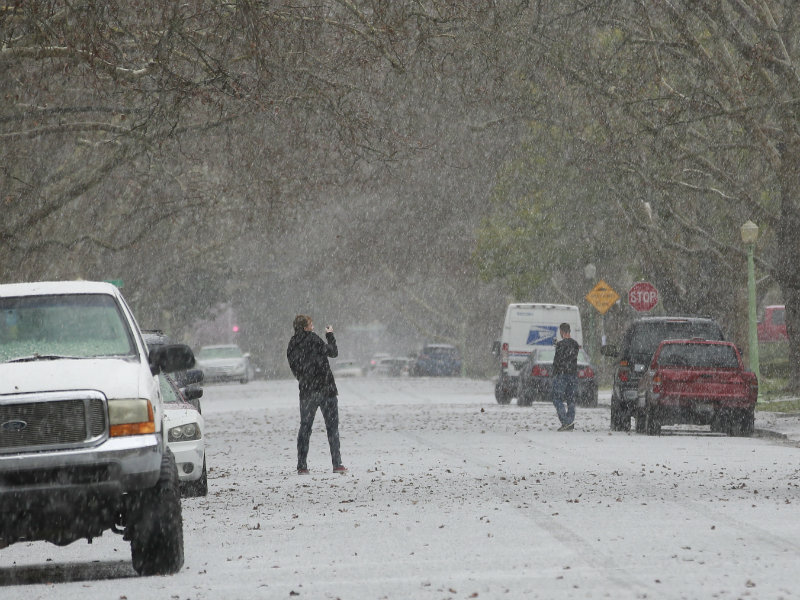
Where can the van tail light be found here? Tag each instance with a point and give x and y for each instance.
(586, 373)
(504, 356)
(539, 371)
(623, 372)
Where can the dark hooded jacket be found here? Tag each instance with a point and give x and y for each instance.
(308, 359)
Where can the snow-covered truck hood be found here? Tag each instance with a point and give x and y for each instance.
(114, 377)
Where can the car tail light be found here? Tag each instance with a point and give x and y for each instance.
(539, 371)
(586, 373)
(504, 356)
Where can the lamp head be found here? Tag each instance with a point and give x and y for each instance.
(749, 232)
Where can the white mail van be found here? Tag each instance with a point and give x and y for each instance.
(527, 326)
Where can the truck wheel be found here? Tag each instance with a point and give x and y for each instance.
(155, 524)
(193, 489)
(748, 422)
(652, 426)
(741, 423)
(620, 418)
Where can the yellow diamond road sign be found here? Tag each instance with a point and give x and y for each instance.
(602, 297)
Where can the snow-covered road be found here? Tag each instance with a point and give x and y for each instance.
(450, 495)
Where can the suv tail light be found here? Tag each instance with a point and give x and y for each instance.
(539, 371)
(623, 372)
(504, 356)
(586, 373)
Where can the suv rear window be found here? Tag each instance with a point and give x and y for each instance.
(714, 356)
(644, 337)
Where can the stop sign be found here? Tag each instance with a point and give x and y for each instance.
(643, 296)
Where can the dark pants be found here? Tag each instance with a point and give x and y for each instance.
(563, 393)
(330, 412)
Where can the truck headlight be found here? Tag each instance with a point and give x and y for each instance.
(130, 416)
(183, 433)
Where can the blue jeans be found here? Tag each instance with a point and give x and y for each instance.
(563, 392)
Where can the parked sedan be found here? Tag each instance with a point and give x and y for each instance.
(344, 367)
(437, 359)
(225, 362)
(535, 378)
(184, 427)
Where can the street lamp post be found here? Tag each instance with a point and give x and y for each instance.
(589, 271)
(749, 236)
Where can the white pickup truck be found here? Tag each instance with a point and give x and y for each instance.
(82, 448)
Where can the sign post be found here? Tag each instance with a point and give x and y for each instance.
(643, 296)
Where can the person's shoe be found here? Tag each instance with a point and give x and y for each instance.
(340, 469)
(562, 428)
(302, 471)
(570, 427)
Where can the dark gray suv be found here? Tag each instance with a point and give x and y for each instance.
(634, 355)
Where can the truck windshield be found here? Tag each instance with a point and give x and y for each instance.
(69, 325)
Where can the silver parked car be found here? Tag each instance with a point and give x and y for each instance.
(224, 362)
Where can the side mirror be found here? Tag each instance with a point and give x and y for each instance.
(191, 376)
(609, 350)
(192, 393)
(170, 358)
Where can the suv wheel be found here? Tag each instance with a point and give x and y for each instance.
(639, 419)
(155, 524)
(620, 417)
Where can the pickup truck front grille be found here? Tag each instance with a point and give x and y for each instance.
(51, 421)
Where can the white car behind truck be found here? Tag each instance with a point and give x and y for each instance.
(82, 443)
(527, 326)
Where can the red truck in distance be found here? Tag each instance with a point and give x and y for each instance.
(772, 328)
(698, 382)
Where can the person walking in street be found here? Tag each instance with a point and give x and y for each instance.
(565, 378)
(308, 355)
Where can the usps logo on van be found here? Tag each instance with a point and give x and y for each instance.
(542, 335)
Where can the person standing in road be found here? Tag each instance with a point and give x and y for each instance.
(565, 378)
(308, 357)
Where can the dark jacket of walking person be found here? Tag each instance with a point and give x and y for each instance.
(308, 355)
(565, 378)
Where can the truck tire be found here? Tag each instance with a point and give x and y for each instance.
(620, 418)
(193, 489)
(741, 423)
(155, 525)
